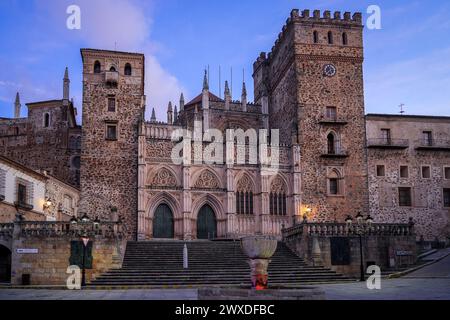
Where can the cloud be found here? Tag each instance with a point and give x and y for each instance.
(125, 26)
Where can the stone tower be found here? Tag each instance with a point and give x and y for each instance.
(113, 107)
(313, 80)
(17, 106)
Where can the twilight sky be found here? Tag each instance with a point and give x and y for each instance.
(407, 61)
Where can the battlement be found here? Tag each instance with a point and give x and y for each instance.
(317, 17)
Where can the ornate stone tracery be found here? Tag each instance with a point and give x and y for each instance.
(207, 180)
(164, 178)
(278, 185)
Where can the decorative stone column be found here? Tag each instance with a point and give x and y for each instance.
(259, 249)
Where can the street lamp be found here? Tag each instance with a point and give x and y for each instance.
(85, 218)
(361, 229)
(85, 240)
(73, 220)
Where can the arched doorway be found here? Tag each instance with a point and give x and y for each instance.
(5, 264)
(206, 223)
(163, 223)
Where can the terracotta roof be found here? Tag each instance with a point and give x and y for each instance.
(198, 99)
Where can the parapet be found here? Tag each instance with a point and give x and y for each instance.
(347, 19)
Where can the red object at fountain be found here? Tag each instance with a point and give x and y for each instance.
(259, 249)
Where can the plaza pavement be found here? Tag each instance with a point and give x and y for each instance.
(429, 283)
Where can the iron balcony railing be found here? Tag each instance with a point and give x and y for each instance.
(388, 143)
(434, 144)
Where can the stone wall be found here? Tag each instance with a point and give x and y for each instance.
(388, 246)
(49, 265)
(427, 208)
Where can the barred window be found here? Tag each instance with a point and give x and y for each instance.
(278, 198)
(446, 198)
(244, 196)
(404, 197)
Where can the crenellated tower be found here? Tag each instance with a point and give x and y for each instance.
(312, 81)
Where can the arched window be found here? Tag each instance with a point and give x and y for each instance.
(331, 143)
(344, 39)
(112, 69)
(278, 198)
(330, 37)
(334, 183)
(97, 67)
(244, 196)
(46, 120)
(316, 37)
(127, 70)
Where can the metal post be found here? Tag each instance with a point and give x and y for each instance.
(83, 272)
(362, 278)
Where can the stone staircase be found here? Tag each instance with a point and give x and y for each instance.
(221, 263)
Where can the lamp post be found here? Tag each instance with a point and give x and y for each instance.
(361, 229)
(85, 240)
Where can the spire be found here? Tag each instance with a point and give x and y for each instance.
(153, 118)
(66, 87)
(227, 96)
(17, 106)
(170, 113)
(205, 81)
(244, 97)
(175, 114)
(182, 102)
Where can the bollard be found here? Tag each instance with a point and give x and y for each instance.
(185, 257)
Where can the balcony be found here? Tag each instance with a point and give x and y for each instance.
(388, 143)
(112, 78)
(335, 152)
(23, 206)
(433, 145)
(333, 121)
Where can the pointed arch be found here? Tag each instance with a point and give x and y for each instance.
(163, 198)
(278, 196)
(244, 193)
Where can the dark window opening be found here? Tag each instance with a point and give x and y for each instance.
(111, 132)
(46, 120)
(446, 198)
(316, 37)
(331, 144)
(426, 172)
(97, 67)
(334, 186)
(22, 194)
(381, 172)
(404, 197)
(330, 37)
(278, 204)
(112, 104)
(428, 138)
(447, 173)
(112, 69)
(127, 70)
(344, 39)
(404, 172)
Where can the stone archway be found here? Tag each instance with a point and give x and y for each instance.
(163, 223)
(5, 264)
(206, 223)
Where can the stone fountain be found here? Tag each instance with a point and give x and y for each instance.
(259, 250)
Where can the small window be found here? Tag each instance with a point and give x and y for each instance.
(97, 67)
(447, 173)
(331, 113)
(381, 171)
(316, 37)
(331, 144)
(111, 131)
(344, 39)
(427, 138)
(404, 172)
(404, 197)
(112, 104)
(334, 186)
(46, 120)
(426, 172)
(112, 69)
(22, 194)
(446, 198)
(127, 70)
(330, 37)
